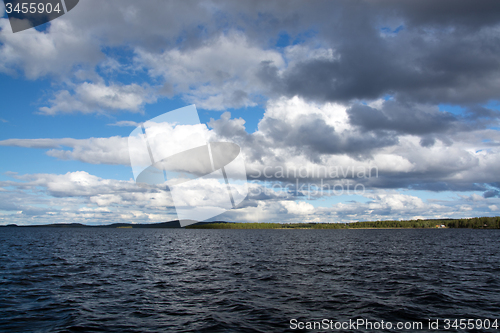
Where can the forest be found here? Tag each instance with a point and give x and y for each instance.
(471, 223)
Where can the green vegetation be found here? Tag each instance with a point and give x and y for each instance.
(473, 223)
(476, 223)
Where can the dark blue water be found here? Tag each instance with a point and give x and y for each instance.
(174, 280)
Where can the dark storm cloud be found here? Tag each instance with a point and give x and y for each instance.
(424, 51)
(480, 112)
(408, 119)
(448, 12)
(464, 71)
(419, 50)
(312, 136)
(420, 119)
(308, 135)
(491, 194)
(427, 182)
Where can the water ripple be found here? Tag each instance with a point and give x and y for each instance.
(150, 280)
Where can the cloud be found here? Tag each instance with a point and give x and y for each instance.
(37, 143)
(75, 184)
(296, 135)
(95, 189)
(125, 123)
(394, 116)
(448, 12)
(113, 150)
(80, 197)
(424, 61)
(221, 73)
(56, 52)
(491, 194)
(222, 55)
(376, 205)
(165, 140)
(78, 40)
(293, 127)
(98, 97)
(298, 208)
(321, 141)
(323, 85)
(317, 130)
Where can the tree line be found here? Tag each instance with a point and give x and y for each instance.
(471, 223)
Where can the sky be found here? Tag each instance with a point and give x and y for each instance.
(344, 110)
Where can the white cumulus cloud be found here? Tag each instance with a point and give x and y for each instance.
(98, 98)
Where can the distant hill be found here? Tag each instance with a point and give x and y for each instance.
(169, 224)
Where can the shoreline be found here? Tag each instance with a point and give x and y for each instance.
(467, 223)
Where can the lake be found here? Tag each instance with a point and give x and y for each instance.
(178, 280)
